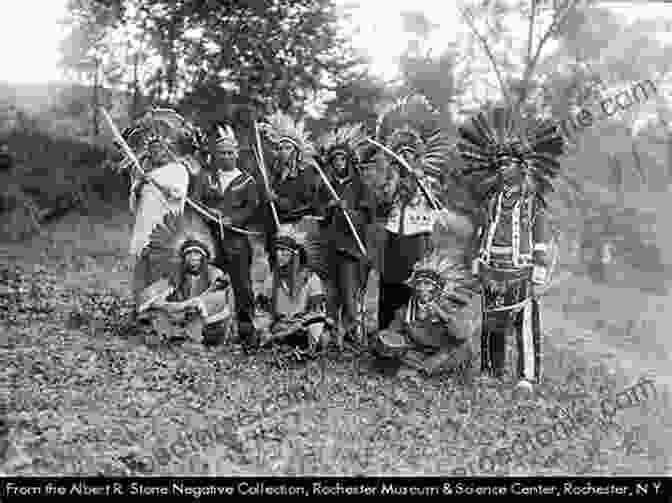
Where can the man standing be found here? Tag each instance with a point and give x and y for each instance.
(348, 268)
(292, 178)
(162, 186)
(232, 196)
(512, 170)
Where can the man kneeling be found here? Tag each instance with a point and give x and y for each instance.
(296, 310)
(433, 332)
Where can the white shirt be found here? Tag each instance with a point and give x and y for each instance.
(151, 204)
(419, 217)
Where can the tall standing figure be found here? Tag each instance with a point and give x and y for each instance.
(232, 196)
(512, 167)
(293, 178)
(163, 141)
(348, 264)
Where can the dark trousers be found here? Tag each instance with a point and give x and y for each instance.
(235, 258)
(348, 277)
(498, 330)
(391, 296)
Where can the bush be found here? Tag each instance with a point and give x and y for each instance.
(54, 169)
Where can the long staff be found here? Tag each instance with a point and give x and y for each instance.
(334, 194)
(136, 163)
(262, 168)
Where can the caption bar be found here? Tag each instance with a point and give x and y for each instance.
(24, 489)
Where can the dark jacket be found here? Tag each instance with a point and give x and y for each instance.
(361, 207)
(296, 194)
(239, 201)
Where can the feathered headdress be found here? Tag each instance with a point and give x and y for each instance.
(280, 127)
(316, 251)
(493, 150)
(349, 140)
(166, 126)
(441, 269)
(410, 125)
(176, 235)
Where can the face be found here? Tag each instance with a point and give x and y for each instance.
(225, 158)
(425, 290)
(284, 256)
(340, 164)
(193, 261)
(285, 151)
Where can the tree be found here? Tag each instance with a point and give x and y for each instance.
(84, 50)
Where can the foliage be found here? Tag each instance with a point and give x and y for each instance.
(278, 50)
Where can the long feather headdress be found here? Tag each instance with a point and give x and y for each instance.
(493, 148)
(350, 138)
(443, 269)
(411, 123)
(281, 127)
(169, 237)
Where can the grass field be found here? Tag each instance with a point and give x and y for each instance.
(84, 398)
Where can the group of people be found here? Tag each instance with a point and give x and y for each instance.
(325, 223)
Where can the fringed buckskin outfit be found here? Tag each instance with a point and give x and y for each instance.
(512, 172)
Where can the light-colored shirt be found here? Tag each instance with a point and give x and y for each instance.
(151, 205)
(418, 217)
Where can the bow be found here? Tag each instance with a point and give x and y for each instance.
(258, 154)
(334, 194)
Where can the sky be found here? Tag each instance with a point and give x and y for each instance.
(30, 33)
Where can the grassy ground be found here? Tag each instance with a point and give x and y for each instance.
(85, 398)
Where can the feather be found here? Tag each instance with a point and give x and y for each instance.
(488, 144)
(410, 124)
(350, 138)
(281, 126)
(168, 237)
